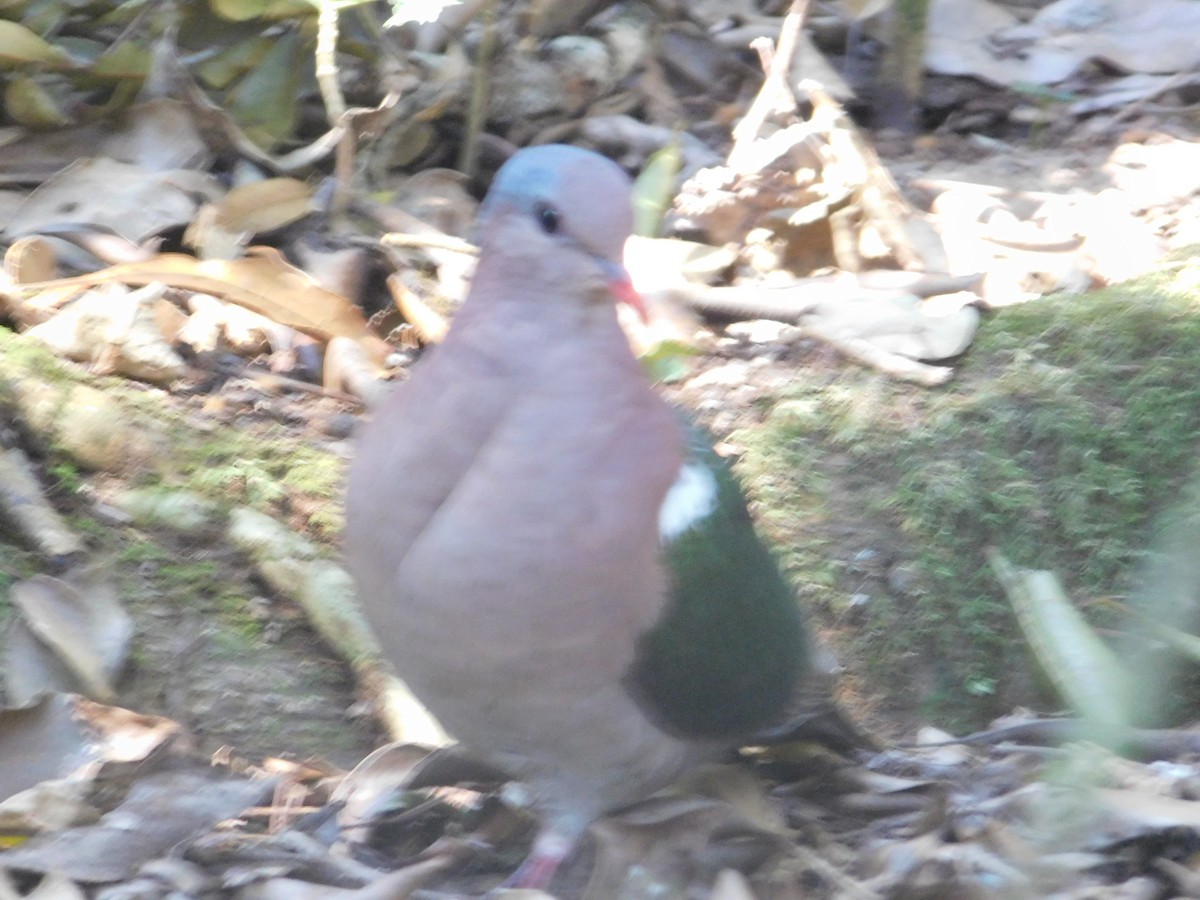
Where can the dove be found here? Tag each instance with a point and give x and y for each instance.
(556, 563)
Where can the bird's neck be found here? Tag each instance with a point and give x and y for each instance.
(535, 317)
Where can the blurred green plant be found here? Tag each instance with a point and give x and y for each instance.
(65, 62)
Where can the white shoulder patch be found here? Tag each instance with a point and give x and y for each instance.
(691, 498)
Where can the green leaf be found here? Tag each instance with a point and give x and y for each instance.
(28, 102)
(1085, 670)
(654, 189)
(264, 102)
(267, 10)
(240, 10)
(238, 57)
(20, 46)
(123, 62)
(666, 361)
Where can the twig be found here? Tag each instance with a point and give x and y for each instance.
(326, 61)
(468, 159)
(872, 355)
(430, 241)
(1179, 79)
(774, 87)
(335, 104)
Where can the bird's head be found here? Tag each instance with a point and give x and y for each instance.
(565, 202)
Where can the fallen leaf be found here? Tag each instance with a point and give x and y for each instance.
(20, 46)
(158, 813)
(83, 622)
(117, 328)
(431, 325)
(263, 281)
(134, 201)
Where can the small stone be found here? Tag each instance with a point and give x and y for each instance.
(338, 425)
(757, 331)
(904, 579)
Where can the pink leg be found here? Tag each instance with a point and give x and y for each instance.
(550, 848)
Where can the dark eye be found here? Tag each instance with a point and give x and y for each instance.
(547, 217)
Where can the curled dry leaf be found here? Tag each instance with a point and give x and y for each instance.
(379, 776)
(431, 325)
(30, 259)
(221, 229)
(212, 320)
(66, 736)
(263, 282)
(666, 846)
(33, 310)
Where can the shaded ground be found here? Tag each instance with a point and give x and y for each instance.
(213, 649)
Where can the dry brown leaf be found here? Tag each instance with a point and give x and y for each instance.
(381, 775)
(1139, 809)
(29, 311)
(264, 205)
(64, 735)
(431, 325)
(668, 843)
(221, 229)
(263, 281)
(398, 885)
(30, 259)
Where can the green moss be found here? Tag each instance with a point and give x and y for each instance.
(234, 608)
(31, 359)
(1073, 422)
(268, 469)
(142, 552)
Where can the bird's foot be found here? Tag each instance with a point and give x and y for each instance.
(550, 848)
